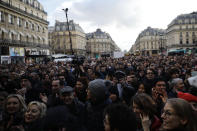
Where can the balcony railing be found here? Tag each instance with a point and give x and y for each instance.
(21, 11)
(19, 43)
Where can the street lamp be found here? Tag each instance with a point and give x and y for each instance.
(161, 42)
(66, 10)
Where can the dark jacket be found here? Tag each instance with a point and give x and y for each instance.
(94, 116)
(18, 119)
(127, 93)
(37, 125)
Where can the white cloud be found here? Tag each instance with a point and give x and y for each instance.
(122, 19)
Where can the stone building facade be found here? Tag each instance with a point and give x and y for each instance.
(59, 38)
(23, 30)
(182, 33)
(100, 44)
(150, 42)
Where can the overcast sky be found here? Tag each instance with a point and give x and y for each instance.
(122, 19)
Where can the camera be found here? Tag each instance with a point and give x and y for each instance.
(78, 60)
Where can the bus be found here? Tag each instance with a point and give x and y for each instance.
(178, 52)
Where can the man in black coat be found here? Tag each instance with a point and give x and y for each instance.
(121, 91)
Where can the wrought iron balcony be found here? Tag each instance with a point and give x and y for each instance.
(19, 43)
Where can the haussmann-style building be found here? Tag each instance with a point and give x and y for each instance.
(150, 42)
(99, 44)
(60, 41)
(182, 33)
(23, 31)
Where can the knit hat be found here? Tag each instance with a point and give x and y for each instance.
(98, 89)
(186, 96)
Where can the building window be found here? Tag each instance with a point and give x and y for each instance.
(11, 19)
(193, 34)
(38, 28)
(26, 25)
(193, 41)
(1, 16)
(12, 36)
(187, 34)
(2, 35)
(27, 38)
(187, 41)
(181, 41)
(32, 26)
(19, 22)
(186, 26)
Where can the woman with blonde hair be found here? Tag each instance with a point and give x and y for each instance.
(14, 110)
(34, 116)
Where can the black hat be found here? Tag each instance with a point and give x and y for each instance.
(120, 74)
(66, 89)
(25, 77)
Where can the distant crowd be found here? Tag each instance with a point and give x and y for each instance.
(133, 93)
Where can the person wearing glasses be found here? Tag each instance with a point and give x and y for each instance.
(178, 115)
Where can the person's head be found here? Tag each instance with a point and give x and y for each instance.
(141, 88)
(55, 86)
(143, 104)
(118, 117)
(177, 84)
(160, 85)
(178, 114)
(35, 111)
(15, 103)
(97, 91)
(25, 82)
(174, 73)
(61, 77)
(81, 84)
(103, 68)
(120, 76)
(67, 95)
(150, 74)
(131, 78)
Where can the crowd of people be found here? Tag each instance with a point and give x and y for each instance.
(133, 93)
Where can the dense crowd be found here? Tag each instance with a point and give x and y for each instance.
(133, 93)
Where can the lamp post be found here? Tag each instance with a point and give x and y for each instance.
(161, 42)
(71, 49)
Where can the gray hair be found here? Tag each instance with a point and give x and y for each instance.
(175, 81)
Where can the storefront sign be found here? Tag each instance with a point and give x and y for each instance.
(17, 51)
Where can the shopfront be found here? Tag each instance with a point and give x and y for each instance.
(17, 54)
